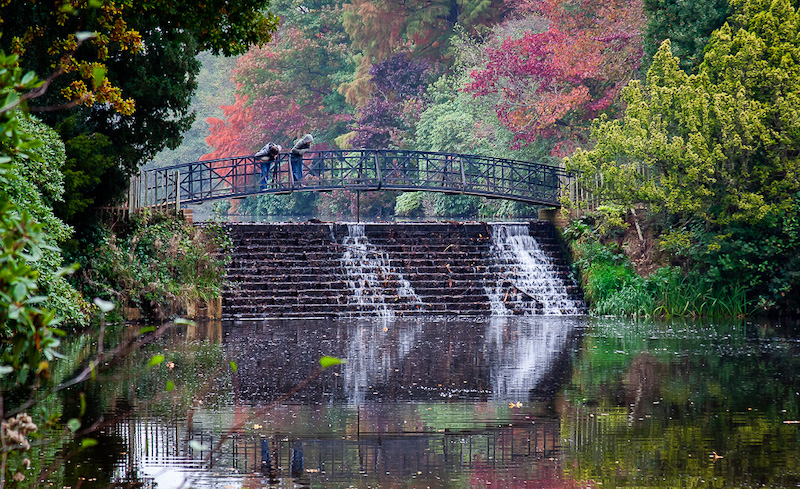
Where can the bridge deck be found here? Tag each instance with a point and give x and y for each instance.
(367, 169)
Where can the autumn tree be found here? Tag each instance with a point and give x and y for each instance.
(550, 84)
(128, 86)
(386, 119)
(379, 28)
(717, 151)
(289, 87)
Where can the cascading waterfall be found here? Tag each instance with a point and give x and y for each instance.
(525, 277)
(373, 281)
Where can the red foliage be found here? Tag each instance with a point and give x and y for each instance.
(549, 84)
(277, 100)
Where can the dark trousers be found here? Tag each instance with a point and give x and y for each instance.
(266, 166)
(297, 166)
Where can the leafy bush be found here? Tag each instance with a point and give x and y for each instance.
(35, 184)
(159, 265)
(612, 287)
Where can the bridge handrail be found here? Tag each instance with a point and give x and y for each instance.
(358, 169)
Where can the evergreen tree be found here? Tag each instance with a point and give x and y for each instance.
(688, 26)
(719, 151)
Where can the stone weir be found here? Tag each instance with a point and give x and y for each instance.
(388, 269)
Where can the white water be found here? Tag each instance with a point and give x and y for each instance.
(526, 279)
(376, 349)
(525, 352)
(370, 276)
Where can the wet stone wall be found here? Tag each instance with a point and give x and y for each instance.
(333, 269)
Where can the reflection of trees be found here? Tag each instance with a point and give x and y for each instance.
(682, 404)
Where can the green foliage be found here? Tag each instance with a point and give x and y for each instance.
(36, 185)
(717, 152)
(28, 330)
(89, 167)
(158, 266)
(613, 287)
(409, 204)
(15, 85)
(297, 204)
(687, 24)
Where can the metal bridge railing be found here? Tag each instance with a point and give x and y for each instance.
(366, 169)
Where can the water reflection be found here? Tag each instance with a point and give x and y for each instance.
(504, 359)
(426, 402)
(528, 357)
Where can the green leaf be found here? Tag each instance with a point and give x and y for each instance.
(74, 424)
(328, 361)
(88, 442)
(147, 329)
(157, 359)
(170, 386)
(99, 74)
(187, 322)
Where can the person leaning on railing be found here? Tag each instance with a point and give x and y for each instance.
(296, 157)
(266, 156)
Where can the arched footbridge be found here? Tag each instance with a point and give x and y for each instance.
(356, 170)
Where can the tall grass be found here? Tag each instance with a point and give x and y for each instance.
(612, 287)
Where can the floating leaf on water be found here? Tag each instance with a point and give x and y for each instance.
(88, 442)
(328, 361)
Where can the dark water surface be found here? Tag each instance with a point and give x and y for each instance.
(512, 402)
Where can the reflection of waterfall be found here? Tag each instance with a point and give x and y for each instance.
(370, 276)
(526, 278)
(375, 349)
(524, 353)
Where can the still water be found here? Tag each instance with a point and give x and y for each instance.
(502, 402)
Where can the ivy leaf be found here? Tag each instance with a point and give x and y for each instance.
(328, 361)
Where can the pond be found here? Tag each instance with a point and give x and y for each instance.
(501, 402)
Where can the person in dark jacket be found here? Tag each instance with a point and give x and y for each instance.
(266, 156)
(296, 157)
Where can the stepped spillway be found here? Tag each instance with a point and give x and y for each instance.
(289, 270)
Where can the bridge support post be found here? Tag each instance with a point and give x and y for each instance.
(177, 192)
